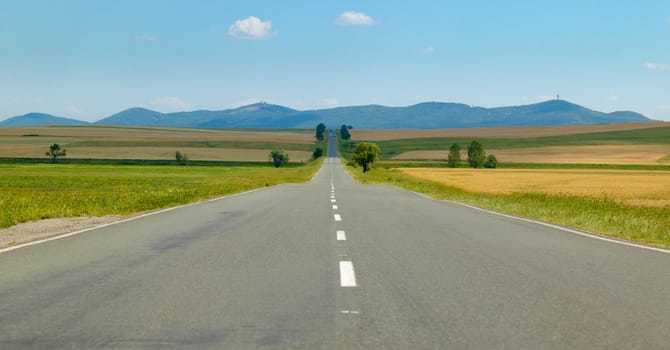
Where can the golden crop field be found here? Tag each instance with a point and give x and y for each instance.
(499, 132)
(80, 142)
(601, 154)
(632, 187)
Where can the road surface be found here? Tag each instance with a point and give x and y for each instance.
(332, 264)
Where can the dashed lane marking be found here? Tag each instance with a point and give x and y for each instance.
(337, 217)
(347, 275)
(341, 236)
(334, 206)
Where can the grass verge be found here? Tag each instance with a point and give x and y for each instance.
(603, 216)
(40, 191)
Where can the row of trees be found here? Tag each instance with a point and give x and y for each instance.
(477, 157)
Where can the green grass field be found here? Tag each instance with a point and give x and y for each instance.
(39, 191)
(391, 148)
(600, 215)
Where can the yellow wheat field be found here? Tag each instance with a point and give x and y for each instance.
(633, 187)
(603, 154)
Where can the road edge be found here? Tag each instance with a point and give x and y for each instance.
(160, 211)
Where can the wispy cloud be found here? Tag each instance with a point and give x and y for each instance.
(351, 18)
(170, 103)
(428, 50)
(330, 102)
(656, 65)
(74, 110)
(251, 28)
(146, 38)
(613, 98)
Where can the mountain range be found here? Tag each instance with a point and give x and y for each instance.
(428, 115)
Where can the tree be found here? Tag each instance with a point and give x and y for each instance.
(56, 151)
(454, 156)
(491, 162)
(476, 154)
(182, 158)
(278, 158)
(318, 152)
(344, 132)
(320, 129)
(365, 155)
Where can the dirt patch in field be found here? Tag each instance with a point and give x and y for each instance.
(36, 230)
(640, 188)
(502, 132)
(606, 154)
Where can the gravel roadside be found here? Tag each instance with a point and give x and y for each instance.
(36, 230)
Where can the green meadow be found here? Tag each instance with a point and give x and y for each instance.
(40, 191)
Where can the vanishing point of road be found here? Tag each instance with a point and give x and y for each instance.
(332, 264)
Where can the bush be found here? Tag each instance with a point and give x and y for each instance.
(56, 151)
(278, 158)
(181, 158)
(491, 162)
(318, 152)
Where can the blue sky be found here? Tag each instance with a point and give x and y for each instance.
(90, 59)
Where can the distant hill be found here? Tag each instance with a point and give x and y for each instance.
(32, 119)
(428, 115)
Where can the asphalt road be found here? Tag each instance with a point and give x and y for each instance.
(266, 270)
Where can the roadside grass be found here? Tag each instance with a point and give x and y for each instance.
(392, 148)
(40, 191)
(598, 215)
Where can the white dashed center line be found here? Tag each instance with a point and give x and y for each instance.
(347, 275)
(333, 201)
(337, 217)
(341, 236)
(334, 206)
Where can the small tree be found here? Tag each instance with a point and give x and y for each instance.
(320, 129)
(278, 158)
(491, 162)
(318, 152)
(454, 156)
(365, 155)
(476, 154)
(56, 151)
(182, 158)
(344, 132)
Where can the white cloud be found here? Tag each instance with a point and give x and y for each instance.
(428, 50)
(668, 20)
(251, 28)
(613, 98)
(330, 102)
(74, 111)
(170, 103)
(656, 65)
(351, 18)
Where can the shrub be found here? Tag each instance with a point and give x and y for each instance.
(278, 158)
(491, 162)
